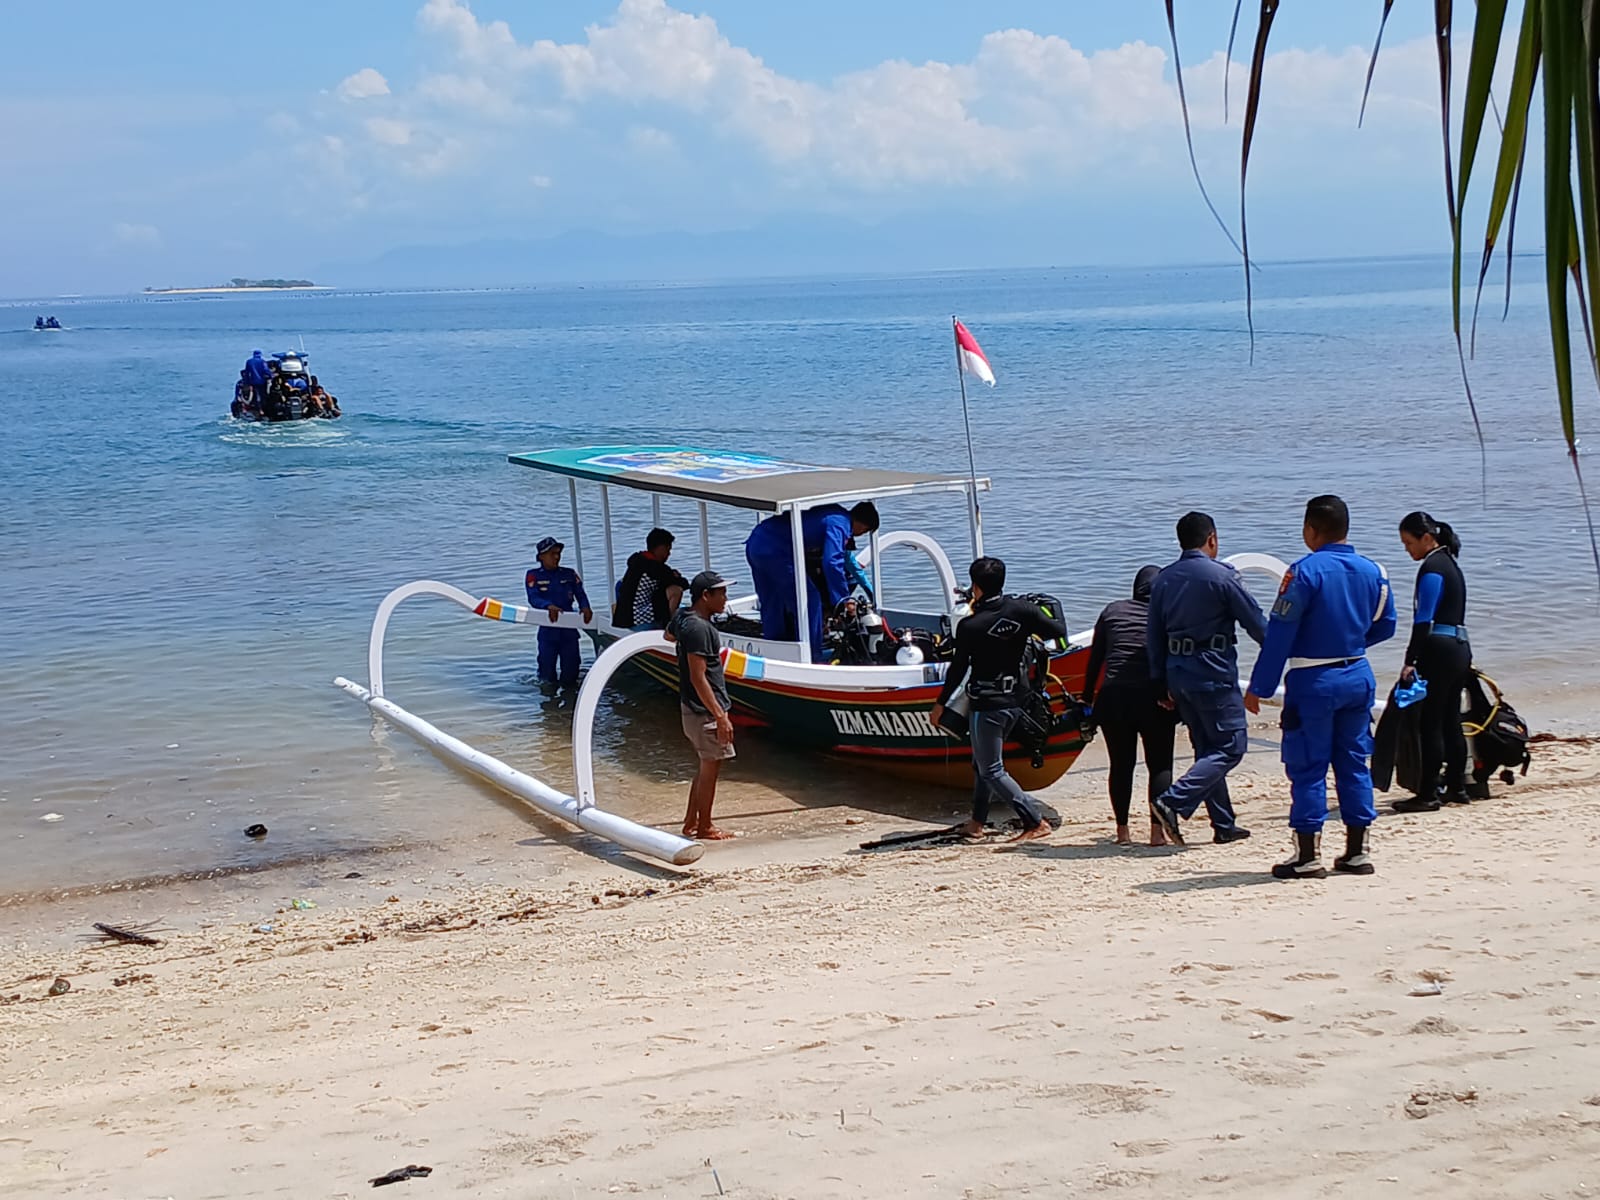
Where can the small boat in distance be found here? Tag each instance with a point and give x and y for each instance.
(290, 392)
(46, 324)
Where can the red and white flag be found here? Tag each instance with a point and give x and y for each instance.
(970, 355)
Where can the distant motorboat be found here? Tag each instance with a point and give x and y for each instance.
(46, 325)
(289, 395)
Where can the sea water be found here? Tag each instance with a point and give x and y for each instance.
(179, 588)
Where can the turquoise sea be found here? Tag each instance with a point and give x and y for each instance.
(180, 589)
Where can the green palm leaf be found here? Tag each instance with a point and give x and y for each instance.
(1558, 46)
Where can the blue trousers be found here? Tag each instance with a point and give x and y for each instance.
(1327, 721)
(988, 732)
(773, 577)
(1216, 723)
(558, 647)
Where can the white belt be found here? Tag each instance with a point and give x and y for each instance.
(1296, 664)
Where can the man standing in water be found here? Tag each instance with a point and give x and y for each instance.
(703, 697)
(990, 645)
(1332, 605)
(1195, 605)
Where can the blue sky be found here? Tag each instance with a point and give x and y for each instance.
(187, 142)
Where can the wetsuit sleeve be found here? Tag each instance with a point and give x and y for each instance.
(1097, 660)
(1430, 586)
(1155, 638)
(1245, 609)
(835, 532)
(1382, 629)
(577, 590)
(957, 671)
(1293, 597)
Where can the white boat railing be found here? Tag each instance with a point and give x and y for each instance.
(656, 843)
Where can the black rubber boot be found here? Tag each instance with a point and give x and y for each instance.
(1307, 860)
(1354, 860)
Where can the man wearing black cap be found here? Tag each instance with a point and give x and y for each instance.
(703, 695)
(555, 588)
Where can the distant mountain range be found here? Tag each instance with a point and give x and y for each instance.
(810, 248)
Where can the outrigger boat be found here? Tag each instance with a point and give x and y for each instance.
(866, 710)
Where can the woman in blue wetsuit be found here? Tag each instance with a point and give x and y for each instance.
(1440, 653)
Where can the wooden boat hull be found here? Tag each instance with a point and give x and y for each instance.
(885, 730)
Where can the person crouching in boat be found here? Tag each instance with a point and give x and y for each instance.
(703, 697)
(555, 588)
(769, 550)
(990, 645)
(649, 591)
(1128, 705)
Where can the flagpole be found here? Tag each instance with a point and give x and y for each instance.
(976, 515)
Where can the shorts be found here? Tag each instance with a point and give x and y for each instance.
(701, 730)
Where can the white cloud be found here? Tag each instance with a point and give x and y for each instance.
(647, 139)
(540, 181)
(1026, 106)
(363, 85)
(136, 235)
(388, 131)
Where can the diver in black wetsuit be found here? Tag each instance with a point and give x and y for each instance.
(990, 644)
(1441, 654)
(1128, 706)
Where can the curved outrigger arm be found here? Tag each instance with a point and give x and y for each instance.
(656, 843)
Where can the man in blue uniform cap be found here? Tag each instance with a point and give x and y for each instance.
(554, 588)
(769, 549)
(1333, 604)
(1195, 605)
(258, 374)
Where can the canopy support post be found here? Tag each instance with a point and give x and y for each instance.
(705, 538)
(611, 558)
(797, 547)
(577, 531)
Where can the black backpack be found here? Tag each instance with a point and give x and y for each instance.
(1499, 736)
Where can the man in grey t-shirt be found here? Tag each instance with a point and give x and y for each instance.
(703, 696)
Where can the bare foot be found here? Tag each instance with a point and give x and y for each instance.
(972, 830)
(1124, 838)
(1158, 835)
(1041, 830)
(712, 834)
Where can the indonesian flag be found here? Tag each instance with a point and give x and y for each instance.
(970, 355)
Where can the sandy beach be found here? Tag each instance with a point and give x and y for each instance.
(198, 291)
(798, 1018)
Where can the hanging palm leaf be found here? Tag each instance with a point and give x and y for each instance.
(1558, 46)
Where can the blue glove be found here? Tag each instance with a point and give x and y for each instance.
(1405, 697)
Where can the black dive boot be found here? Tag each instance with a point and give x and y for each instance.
(1354, 860)
(1307, 860)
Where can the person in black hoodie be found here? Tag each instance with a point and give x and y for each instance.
(1440, 653)
(1128, 706)
(650, 590)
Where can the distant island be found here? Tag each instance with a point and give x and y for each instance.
(238, 285)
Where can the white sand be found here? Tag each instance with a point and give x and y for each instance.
(1064, 1020)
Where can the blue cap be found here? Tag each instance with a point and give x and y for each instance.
(547, 544)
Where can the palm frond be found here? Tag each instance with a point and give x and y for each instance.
(1372, 63)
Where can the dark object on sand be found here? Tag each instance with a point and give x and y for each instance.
(61, 986)
(950, 833)
(256, 831)
(401, 1173)
(136, 935)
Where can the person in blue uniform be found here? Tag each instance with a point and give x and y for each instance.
(1441, 654)
(1332, 605)
(556, 589)
(1196, 606)
(259, 374)
(769, 550)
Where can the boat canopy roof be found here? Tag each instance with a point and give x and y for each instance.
(736, 478)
